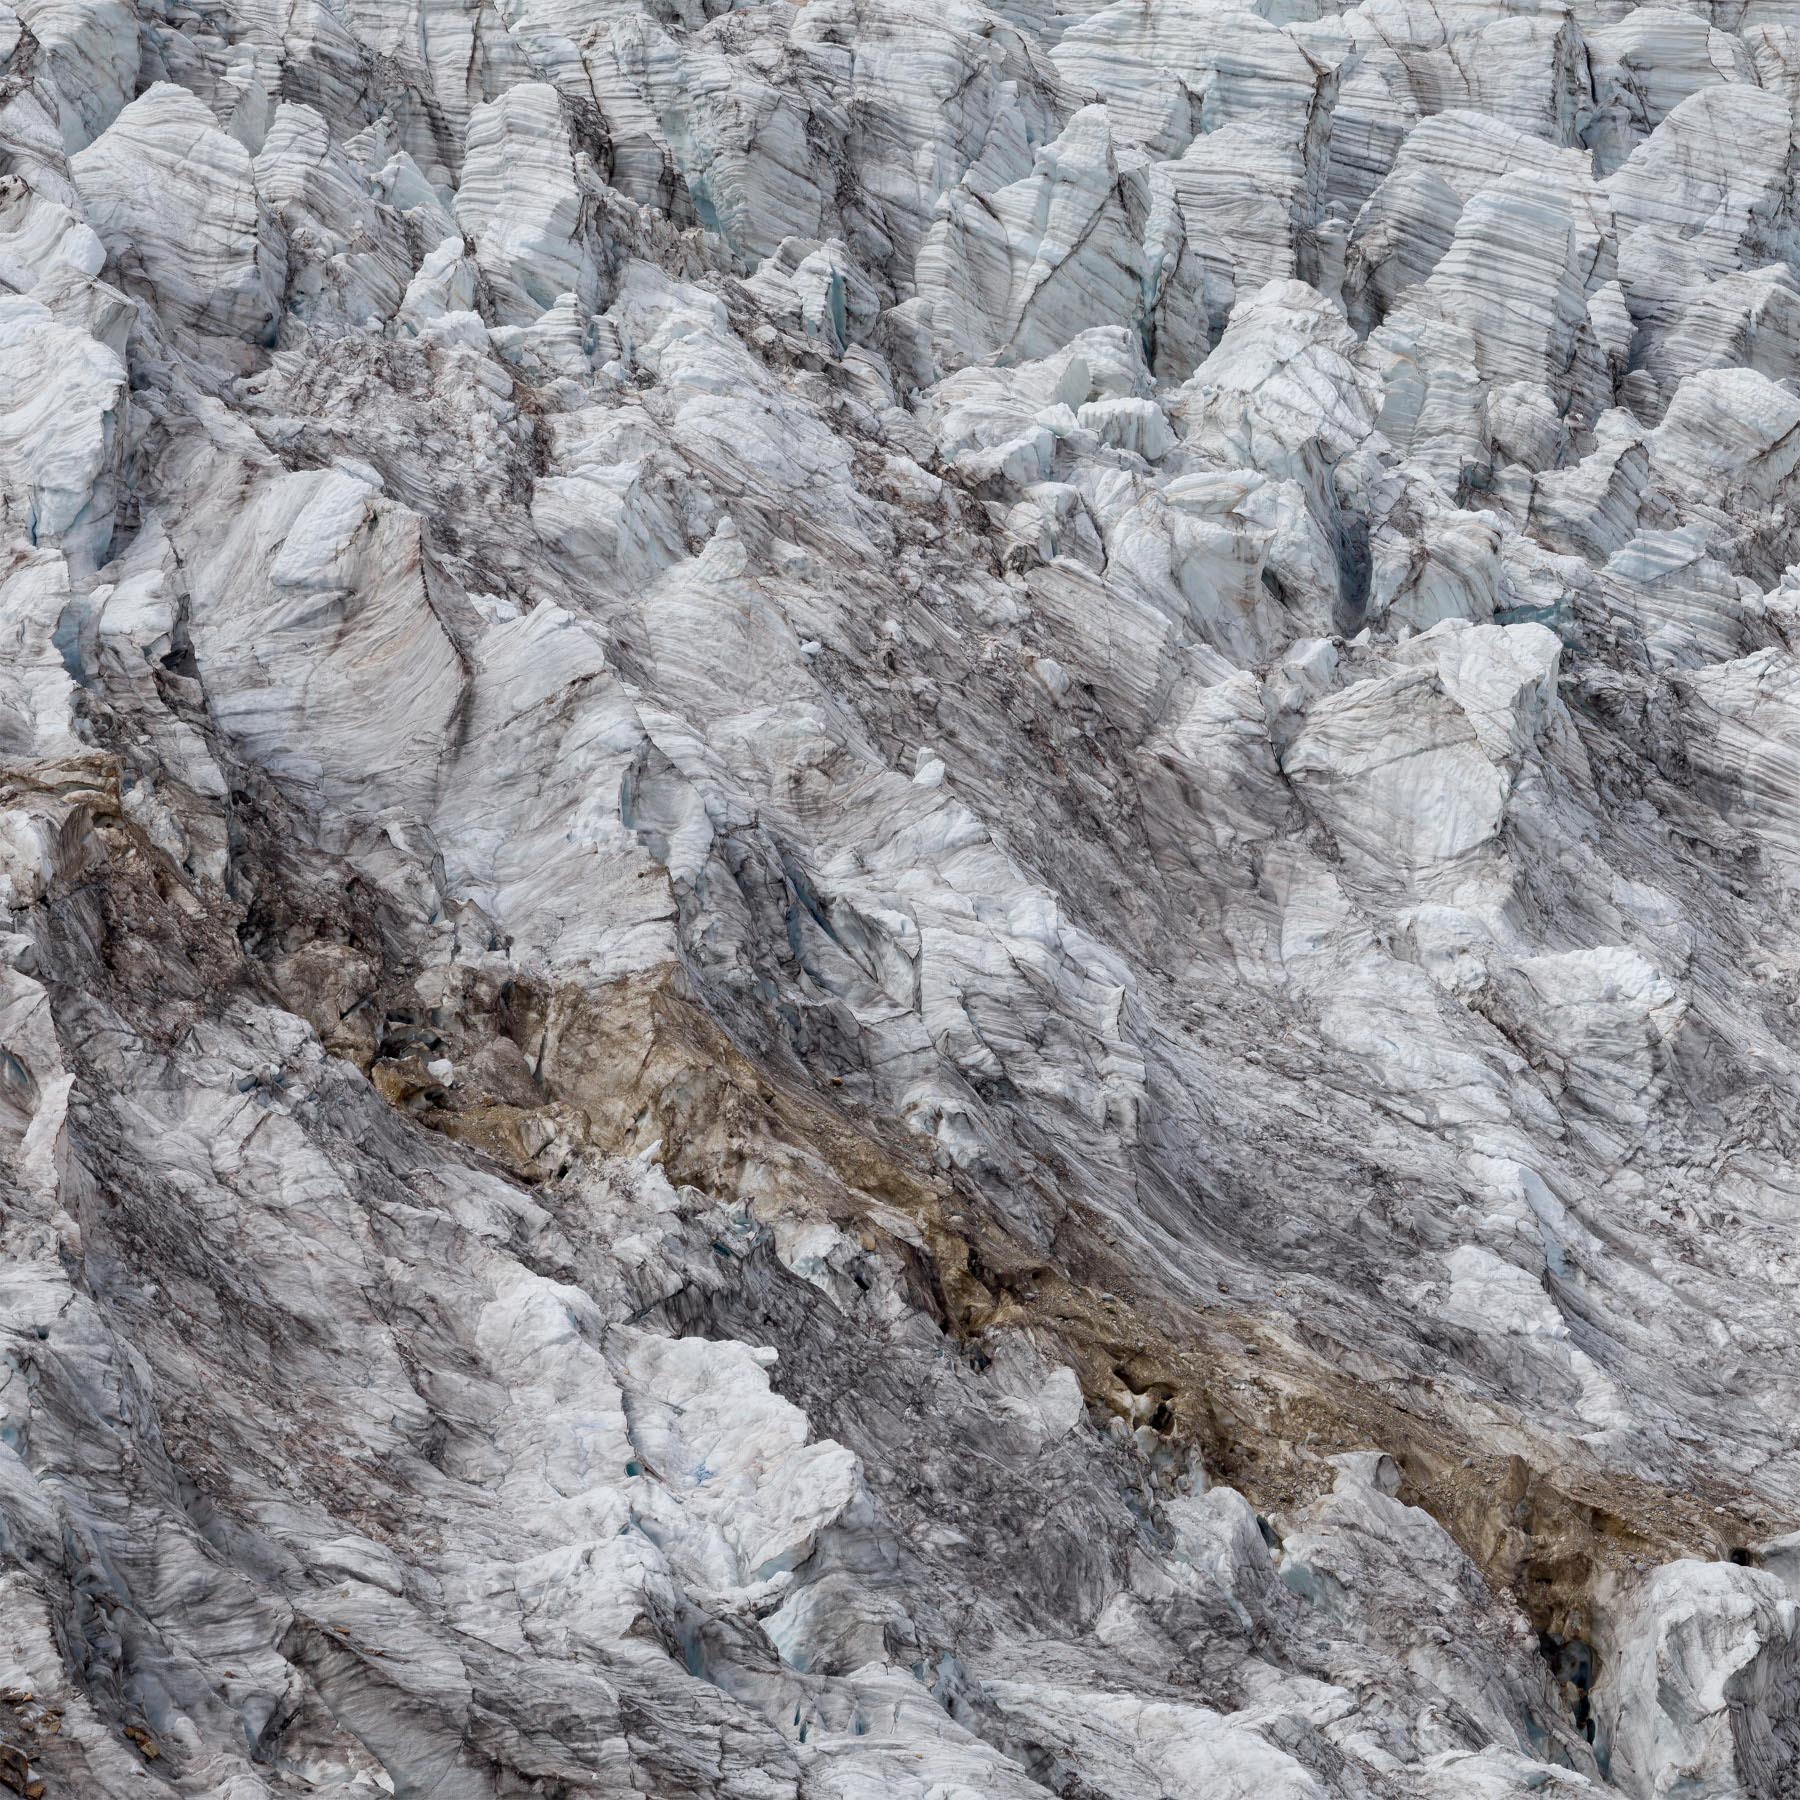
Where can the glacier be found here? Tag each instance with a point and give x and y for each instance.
(898, 901)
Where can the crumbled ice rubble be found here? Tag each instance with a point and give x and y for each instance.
(899, 901)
